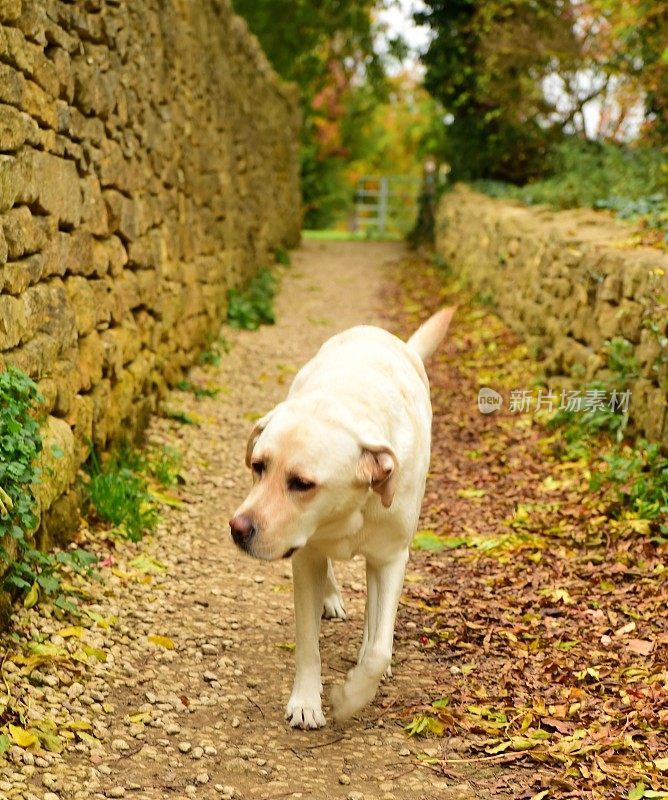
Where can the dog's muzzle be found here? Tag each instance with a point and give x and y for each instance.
(242, 530)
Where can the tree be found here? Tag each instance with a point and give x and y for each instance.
(487, 63)
(631, 44)
(516, 77)
(327, 49)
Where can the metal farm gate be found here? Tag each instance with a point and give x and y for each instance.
(386, 205)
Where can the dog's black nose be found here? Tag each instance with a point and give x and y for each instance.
(242, 529)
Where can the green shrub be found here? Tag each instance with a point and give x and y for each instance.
(118, 492)
(640, 477)
(253, 306)
(165, 465)
(633, 182)
(282, 257)
(29, 571)
(580, 427)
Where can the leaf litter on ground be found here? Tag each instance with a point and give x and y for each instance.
(544, 614)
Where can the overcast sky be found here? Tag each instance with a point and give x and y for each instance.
(399, 21)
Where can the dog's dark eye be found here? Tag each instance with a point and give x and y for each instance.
(300, 485)
(258, 467)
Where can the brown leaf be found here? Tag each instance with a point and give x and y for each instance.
(558, 724)
(640, 646)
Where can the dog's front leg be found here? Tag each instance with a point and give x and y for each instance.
(385, 581)
(371, 613)
(309, 571)
(333, 606)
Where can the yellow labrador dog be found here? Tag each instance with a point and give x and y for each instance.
(339, 468)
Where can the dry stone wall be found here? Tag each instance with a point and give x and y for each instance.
(147, 163)
(569, 282)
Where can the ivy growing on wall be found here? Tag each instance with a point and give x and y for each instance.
(28, 571)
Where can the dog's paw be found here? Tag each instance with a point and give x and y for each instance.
(333, 607)
(344, 703)
(305, 713)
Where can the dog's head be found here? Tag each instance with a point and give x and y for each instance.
(311, 468)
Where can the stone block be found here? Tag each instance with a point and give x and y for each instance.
(609, 321)
(649, 405)
(32, 21)
(122, 213)
(76, 252)
(95, 217)
(37, 356)
(41, 106)
(648, 352)
(100, 397)
(49, 390)
(17, 276)
(82, 425)
(66, 376)
(56, 461)
(610, 291)
(23, 233)
(10, 10)
(124, 296)
(61, 519)
(16, 51)
(11, 181)
(631, 314)
(54, 184)
(47, 310)
(91, 356)
(80, 295)
(109, 256)
(14, 125)
(13, 321)
(12, 85)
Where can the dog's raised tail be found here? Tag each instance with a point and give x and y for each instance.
(431, 333)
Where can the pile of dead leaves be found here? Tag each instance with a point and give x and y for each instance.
(545, 618)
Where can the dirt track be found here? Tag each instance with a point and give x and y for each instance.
(206, 718)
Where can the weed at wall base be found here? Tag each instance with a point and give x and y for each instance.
(29, 572)
(119, 492)
(253, 306)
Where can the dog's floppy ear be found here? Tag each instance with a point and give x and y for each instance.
(378, 468)
(259, 426)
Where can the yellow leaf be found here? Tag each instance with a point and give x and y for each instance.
(471, 494)
(79, 725)
(661, 764)
(162, 641)
(639, 525)
(74, 630)
(522, 743)
(86, 737)
(148, 564)
(167, 499)
(140, 716)
(125, 576)
(32, 597)
(95, 651)
(22, 737)
(100, 621)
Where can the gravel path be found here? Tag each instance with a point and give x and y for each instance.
(205, 719)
